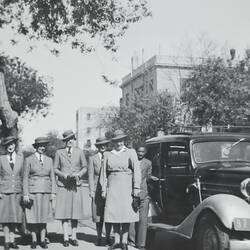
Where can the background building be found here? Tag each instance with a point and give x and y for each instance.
(88, 126)
(158, 73)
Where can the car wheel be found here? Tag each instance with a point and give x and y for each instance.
(210, 234)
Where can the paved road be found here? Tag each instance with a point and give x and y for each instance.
(86, 236)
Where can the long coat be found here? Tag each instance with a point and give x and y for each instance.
(94, 169)
(69, 199)
(39, 183)
(38, 178)
(11, 189)
(120, 176)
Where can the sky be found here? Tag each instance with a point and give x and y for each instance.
(175, 28)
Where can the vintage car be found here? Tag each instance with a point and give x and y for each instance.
(202, 188)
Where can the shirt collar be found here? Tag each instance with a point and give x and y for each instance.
(13, 156)
(120, 151)
(38, 155)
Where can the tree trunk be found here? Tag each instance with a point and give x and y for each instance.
(8, 117)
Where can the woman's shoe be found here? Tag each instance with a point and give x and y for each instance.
(108, 242)
(124, 246)
(14, 245)
(98, 242)
(33, 245)
(66, 243)
(114, 246)
(74, 243)
(6, 246)
(43, 244)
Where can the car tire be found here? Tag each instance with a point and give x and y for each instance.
(210, 234)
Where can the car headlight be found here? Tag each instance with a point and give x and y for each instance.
(245, 188)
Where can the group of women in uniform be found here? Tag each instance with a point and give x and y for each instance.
(36, 184)
(29, 185)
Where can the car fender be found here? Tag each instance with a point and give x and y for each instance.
(225, 206)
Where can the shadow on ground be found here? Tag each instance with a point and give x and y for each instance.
(165, 241)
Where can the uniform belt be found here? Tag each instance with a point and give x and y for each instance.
(119, 172)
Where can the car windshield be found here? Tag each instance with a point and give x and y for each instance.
(234, 150)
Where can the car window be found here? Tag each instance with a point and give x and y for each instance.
(221, 151)
(175, 155)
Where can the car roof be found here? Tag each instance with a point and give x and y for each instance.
(190, 136)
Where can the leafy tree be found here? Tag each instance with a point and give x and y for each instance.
(54, 143)
(143, 117)
(28, 93)
(73, 21)
(217, 92)
(22, 92)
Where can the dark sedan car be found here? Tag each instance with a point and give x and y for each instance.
(203, 188)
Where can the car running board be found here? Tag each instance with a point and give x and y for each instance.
(162, 227)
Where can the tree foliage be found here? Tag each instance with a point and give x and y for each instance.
(28, 93)
(54, 143)
(217, 92)
(143, 117)
(74, 21)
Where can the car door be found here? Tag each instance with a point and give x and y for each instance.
(177, 171)
(155, 186)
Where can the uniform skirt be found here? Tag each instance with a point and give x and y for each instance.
(10, 209)
(69, 204)
(98, 204)
(118, 206)
(41, 210)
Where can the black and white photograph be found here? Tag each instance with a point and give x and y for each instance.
(125, 124)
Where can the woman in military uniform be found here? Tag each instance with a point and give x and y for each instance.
(70, 165)
(40, 188)
(11, 169)
(120, 179)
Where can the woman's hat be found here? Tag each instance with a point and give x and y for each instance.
(118, 134)
(40, 140)
(68, 134)
(101, 141)
(9, 139)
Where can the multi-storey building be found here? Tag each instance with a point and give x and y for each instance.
(158, 73)
(88, 127)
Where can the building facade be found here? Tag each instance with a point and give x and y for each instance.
(157, 74)
(88, 127)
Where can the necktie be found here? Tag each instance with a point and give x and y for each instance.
(40, 159)
(69, 152)
(11, 162)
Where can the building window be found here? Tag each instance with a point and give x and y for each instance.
(127, 99)
(146, 87)
(139, 91)
(88, 130)
(183, 84)
(151, 85)
(88, 116)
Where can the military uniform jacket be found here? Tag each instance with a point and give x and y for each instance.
(69, 165)
(37, 177)
(11, 180)
(94, 168)
(146, 171)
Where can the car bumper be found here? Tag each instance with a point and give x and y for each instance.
(239, 245)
